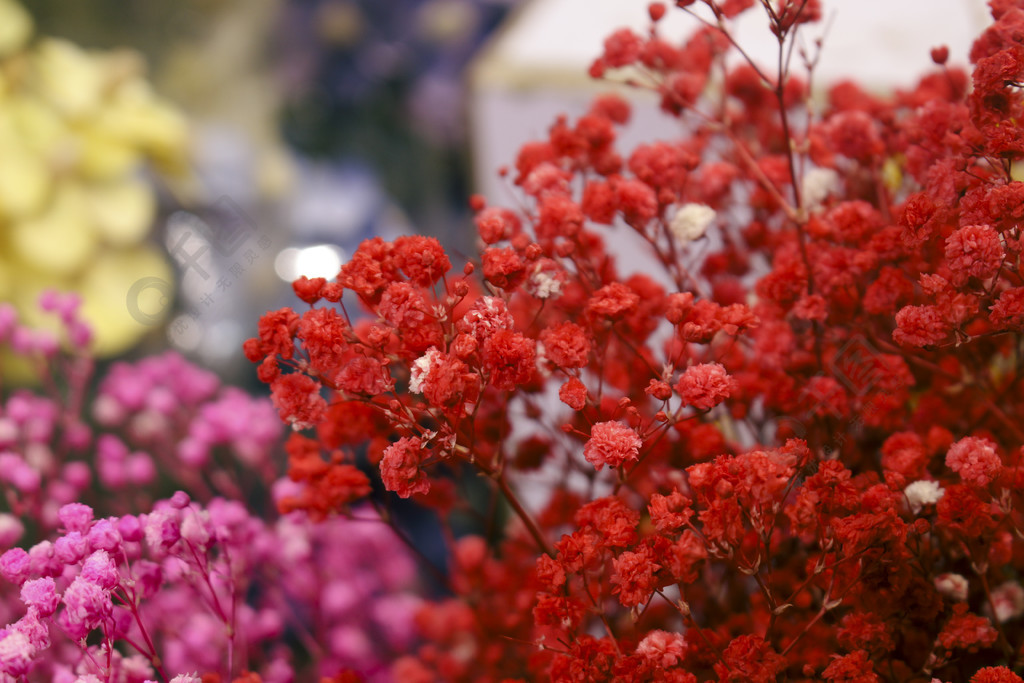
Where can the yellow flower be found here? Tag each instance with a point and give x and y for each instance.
(76, 128)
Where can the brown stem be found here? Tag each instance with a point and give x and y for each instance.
(523, 515)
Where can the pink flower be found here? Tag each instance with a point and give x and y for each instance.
(15, 565)
(40, 594)
(76, 517)
(16, 653)
(86, 605)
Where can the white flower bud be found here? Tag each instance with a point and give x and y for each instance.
(817, 185)
(921, 493)
(691, 221)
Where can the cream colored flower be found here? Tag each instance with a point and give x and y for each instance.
(691, 222)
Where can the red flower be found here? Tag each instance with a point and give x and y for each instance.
(852, 668)
(975, 460)
(663, 649)
(614, 301)
(510, 359)
(670, 513)
(566, 345)
(422, 259)
(633, 577)
(965, 631)
(298, 400)
(400, 467)
(750, 659)
(1008, 310)
(613, 444)
(445, 381)
(503, 268)
(309, 290)
(323, 332)
(920, 326)
(496, 224)
(995, 674)
(276, 332)
(573, 393)
(974, 251)
(705, 385)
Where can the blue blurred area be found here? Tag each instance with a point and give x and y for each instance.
(381, 82)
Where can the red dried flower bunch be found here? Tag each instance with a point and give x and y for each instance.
(785, 448)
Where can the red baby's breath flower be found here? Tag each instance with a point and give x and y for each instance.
(599, 202)
(633, 577)
(573, 393)
(867, 633)
(323, 332)
(559, 216)
(613, 444)
(622, 48)
(940, 54)
(496, 224)
(995, 674)
(545, 179)
(503, 268)
(855, 667)
(904, 452)
(566, 345)
(612, 519)
(422, 259)
(856, 303)
(510, 359)
(370, 270)
(328, 486)
(920, 326)
(663, 649)
(400, 467)
(486, 316)
(637, 201)
(1008, 310)
(363, 375)
(276, 332)
(750, 658)
(961, 511)
(298, 400)
(975, 460)
(854, 134)
(974, 251)
(966, 631)
(613, 301)
(309, 289)
(670, 513)
(685, 557)
(705, 385)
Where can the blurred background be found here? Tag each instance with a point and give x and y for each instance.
(179, 162)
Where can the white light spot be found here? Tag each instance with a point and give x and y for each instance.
(322, 260)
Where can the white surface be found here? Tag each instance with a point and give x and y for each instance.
(536, 68)
(884, 42)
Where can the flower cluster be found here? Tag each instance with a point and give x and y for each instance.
(84, 132)
(107, 576)
(791, 451)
